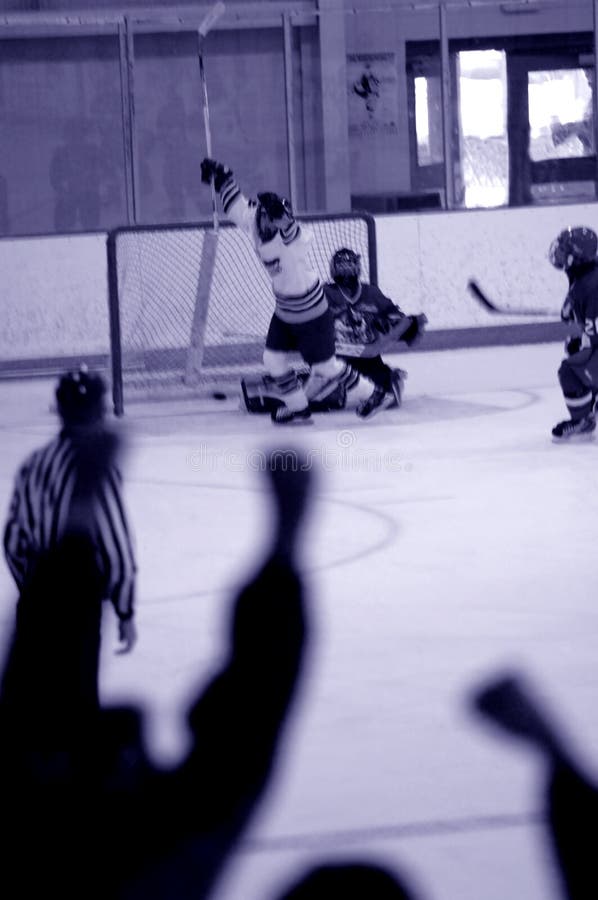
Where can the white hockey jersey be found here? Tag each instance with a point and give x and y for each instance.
(297, 288)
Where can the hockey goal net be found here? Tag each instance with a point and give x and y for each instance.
(169, 338)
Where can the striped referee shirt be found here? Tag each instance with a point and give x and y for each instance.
(39, 511)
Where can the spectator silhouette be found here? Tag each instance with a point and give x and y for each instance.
(571, 796)
(78, 175)
(179, 169)
(89, 814)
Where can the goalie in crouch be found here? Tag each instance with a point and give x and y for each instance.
(302, 322)
(366, 324)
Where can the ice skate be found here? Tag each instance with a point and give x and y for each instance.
(397, 383)
(574, 428)
(378, 400)
(285, 416)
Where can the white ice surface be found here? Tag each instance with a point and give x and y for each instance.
(450, 540)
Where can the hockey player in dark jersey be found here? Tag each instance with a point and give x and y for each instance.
(365, 320)
(52, 486)
(302, 322)
(574, 251)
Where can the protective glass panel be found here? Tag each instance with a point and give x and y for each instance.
(561, 114)
(428, 120)
(61, 143)
(170, 125)
(483, 127)
(169, 131)
(306, 137)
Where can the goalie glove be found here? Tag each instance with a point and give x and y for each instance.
(415, 330)
(213, 170)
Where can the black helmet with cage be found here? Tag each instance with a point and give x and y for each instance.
(573, 247)
(80, 397)
(345, 269)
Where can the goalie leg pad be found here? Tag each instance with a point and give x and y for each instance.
(334, 401)
(322, 383)
(291, 391)
(261, 394)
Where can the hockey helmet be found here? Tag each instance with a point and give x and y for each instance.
(80, 397)
(345, 269)
(345, 262)
(573, 247)
(271, 209)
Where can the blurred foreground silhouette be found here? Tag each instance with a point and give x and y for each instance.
(88, 814)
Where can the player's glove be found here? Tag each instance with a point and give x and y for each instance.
(577, 342)
(213, 170)
(208, 168)
(567, 311)
(415, 330)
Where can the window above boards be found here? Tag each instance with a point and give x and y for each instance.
(520, 117)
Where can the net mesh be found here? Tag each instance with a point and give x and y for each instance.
(155, 282)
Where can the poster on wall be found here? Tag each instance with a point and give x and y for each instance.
(373, 94)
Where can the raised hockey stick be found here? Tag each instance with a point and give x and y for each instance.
(208, 22)
(488, 304)
(210, 238)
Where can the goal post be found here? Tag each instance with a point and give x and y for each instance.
(173, 337)
(207, 264)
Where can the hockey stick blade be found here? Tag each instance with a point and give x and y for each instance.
(474, 288)
(476, 291)
(210, 18)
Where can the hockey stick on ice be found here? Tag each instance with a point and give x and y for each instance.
(488, 304)
(210, 238)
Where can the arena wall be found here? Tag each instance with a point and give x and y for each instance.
(55, 305)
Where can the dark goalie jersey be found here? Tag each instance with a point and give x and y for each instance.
(366, 324)
(581, 303)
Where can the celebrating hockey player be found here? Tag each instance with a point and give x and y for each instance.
(574, 251)
(302, 322)
(366, 320)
